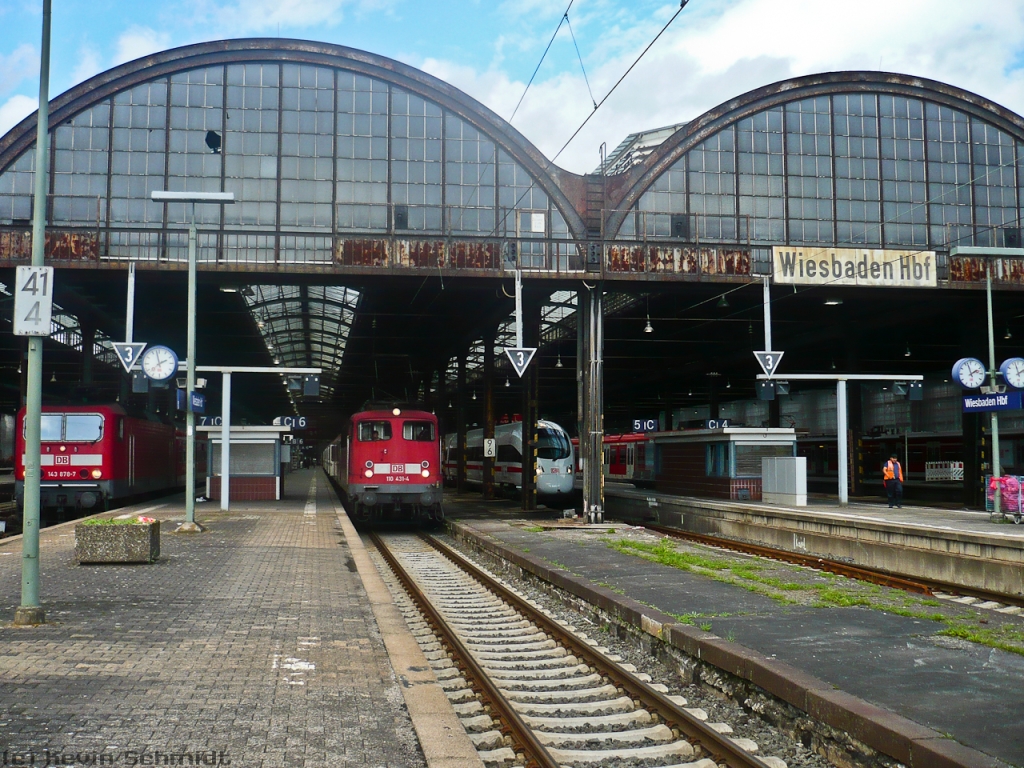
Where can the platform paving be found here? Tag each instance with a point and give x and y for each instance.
(899, 663)
(252, 643)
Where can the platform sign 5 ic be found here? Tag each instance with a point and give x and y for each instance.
(33, 301)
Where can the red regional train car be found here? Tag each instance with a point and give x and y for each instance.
(628, 458)
(388, 466)
(96, 456)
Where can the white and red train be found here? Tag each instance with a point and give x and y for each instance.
(93, 457)
(554, 460)
(388, 466)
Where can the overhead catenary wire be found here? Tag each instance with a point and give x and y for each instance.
(564, 18)
(580, 57)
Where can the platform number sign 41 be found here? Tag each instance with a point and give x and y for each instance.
(33, 301)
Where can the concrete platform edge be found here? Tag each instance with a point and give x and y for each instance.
(439, 731)
(968, 558)
(909, 742)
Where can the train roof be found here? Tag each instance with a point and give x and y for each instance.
(390, 414)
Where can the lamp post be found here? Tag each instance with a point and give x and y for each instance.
(219, 198)
(997, 509)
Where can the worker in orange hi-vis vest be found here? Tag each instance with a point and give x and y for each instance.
(892, 479)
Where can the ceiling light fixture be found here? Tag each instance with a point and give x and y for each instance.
(723, 302)
(648, 328)
(907, 353)
(833, 302)
(506, 382)
(1007, 335)
(53, 377)
(559, 363)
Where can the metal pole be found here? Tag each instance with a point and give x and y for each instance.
(844, 495)
(129, 315)
(519, 309)
(595, 407)
(767, 316)
(997, 500)
(190, 383)
(225, 440)
(30, 611)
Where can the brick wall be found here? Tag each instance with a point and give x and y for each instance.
(247, 488)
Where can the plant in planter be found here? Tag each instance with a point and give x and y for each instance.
(118, 540)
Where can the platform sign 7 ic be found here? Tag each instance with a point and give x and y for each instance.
(33, 301)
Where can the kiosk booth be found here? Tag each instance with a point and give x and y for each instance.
(257, 456)
(720, 463)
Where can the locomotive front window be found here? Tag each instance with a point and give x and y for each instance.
(420, 431)
(50, 427)
(83, 427)
(552, 444)
(371, 431)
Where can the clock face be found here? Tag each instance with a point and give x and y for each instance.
(969, 372)
(1013, 372)
(159, 363)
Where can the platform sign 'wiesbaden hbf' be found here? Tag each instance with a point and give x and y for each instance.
(817, 265)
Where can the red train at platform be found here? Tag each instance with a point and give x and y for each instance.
(388, 466)
(93, 457)
(627, 458)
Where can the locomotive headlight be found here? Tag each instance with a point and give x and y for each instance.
(369, 465)
(539, 470)
(424, 464)
(97, 474)
(425, 473)
(368, 473)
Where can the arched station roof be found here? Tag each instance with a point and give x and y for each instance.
(873, 158)
(313, 123)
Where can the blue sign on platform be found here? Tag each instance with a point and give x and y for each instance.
(198, 403)
(1007, 401)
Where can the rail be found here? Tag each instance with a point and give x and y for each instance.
(719, 748)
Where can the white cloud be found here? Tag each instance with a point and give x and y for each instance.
(89, 64)
(136, 42)
(709, 56)
(14, 110)
(21, 63)
(267, 16)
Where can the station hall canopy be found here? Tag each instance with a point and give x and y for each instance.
(380, 211)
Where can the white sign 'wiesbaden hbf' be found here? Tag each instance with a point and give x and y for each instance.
(817, 265)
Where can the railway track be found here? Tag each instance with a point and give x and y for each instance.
(922, 586)
(532, 691)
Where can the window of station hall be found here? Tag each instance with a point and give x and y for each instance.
(861, 169)
(308, 151)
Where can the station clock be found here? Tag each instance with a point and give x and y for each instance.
(159, 363)
(1013, 372)
(969, 372)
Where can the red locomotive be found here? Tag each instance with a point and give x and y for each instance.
(388, 466)
(95, 456)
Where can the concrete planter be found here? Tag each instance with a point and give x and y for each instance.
(133, 543)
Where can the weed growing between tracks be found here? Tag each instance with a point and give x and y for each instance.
(793, 585)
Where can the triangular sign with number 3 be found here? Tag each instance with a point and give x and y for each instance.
(520, 358)
(769, 361)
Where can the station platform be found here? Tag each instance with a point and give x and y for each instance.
(958, 546)
(254, 643)
(889, 678)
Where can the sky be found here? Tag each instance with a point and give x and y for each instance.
(711, 52)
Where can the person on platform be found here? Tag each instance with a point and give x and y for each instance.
(892, 479)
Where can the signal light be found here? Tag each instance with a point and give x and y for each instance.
(368, 473)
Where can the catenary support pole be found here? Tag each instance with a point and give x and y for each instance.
(225, 441)
(30, 611)
(767, 315)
